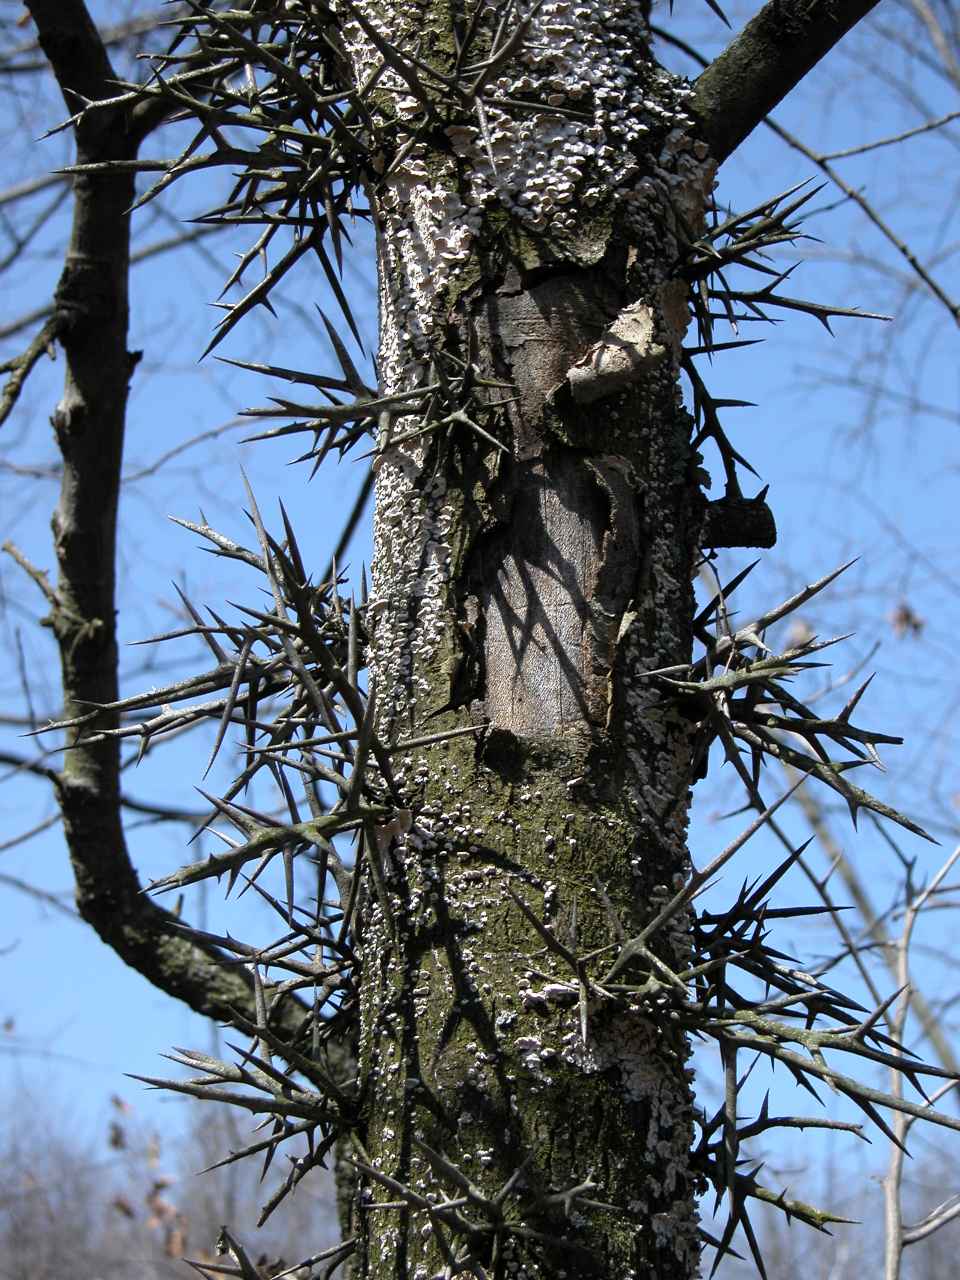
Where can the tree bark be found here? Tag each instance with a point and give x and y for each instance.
(526, 590)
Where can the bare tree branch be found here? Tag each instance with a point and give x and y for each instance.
(20, 367)
(769, 57)
(41, 895)
(885, 230)
(874, 926)
(91, 314)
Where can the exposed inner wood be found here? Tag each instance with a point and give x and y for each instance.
(538, 624)
(558, 574)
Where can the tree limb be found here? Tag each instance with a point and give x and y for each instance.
(20, 368)
(74, 49)
(91, 314)
(771, 55)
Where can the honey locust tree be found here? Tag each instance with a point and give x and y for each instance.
(485, 1003)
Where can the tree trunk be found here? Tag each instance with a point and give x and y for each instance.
(526, 259)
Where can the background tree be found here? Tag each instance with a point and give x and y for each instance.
(507, 599)
(125, 1196)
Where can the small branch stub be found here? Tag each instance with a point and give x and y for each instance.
(739, 522)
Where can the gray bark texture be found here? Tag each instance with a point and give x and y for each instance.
(527, 590)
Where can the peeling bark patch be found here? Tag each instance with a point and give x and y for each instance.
(556, 582)
(620, 566)
(539, 332)
(625, 354)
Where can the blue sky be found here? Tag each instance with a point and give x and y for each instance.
(853, 469)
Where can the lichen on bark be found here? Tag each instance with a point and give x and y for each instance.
(558, 566)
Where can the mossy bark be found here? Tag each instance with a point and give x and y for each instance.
(570, 581)
(513, 1119)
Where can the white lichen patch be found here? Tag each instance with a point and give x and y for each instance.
(583, 58)
(632, 1045)
(575, 136)
(575, 119)
(427, 233)
(407, 605)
